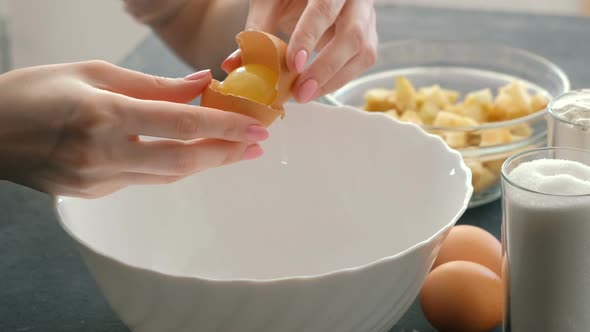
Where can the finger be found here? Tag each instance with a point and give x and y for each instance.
(326, 38)
(262, 15)
(170, 158)
(232, 62)
(289, 14)
(315, 20)
(131, 178)
(351, 38)
(328, 63)
(122, 180)
(350, 71)
(134, 84)
(185, 122)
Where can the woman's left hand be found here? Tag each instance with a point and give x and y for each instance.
(343, 32)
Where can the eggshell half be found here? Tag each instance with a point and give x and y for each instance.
(265, 49)
(257, 48)
(215, 99)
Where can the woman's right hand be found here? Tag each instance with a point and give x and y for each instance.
(73, 129)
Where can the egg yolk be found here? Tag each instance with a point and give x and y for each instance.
(253, 81)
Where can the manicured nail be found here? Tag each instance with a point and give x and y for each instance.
(307, 90)
(300, 60)
(256, 133)
(252, 152)
(233, 61)
(198, 75)
(233, 55)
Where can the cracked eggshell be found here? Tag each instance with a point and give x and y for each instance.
(257, 48)
(213, 98)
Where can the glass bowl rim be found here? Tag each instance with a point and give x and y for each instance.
(501, 149)
(551, 106)
(562, 76)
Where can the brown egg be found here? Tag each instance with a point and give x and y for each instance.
(471, 243)
(258, 49)
(462, 296)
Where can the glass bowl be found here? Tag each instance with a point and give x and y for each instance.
(466, 67)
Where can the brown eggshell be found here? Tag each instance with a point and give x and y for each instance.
(213, 98)
(471, 243)
(462, 296)
(265, 49)
(257, 48)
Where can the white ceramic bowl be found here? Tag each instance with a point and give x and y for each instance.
(334, 229)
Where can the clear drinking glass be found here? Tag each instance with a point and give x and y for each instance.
(569, 120)
(546, 252)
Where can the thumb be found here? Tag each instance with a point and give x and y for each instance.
(138, 85)
(262, 16)
(232, 62)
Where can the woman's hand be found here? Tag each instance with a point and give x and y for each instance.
(73, 129)
(342, 31)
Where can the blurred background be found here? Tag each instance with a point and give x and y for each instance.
(34, 32)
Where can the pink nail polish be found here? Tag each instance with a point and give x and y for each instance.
(234, 54)
(252, 152)
(300, 60)
(256, 134)
(308, 90)
(232, 62)
(198, 75)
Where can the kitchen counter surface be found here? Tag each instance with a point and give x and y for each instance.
(45, 285)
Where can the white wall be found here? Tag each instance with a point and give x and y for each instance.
(5, 56)
(566, 7)
(51, 31)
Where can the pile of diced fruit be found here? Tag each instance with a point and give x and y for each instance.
(456, 119)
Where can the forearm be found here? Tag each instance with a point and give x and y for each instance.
(201, 32)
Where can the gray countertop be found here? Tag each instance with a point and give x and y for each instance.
(45, 286)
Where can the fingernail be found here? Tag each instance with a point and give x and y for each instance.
(198, 75)
(256, 133)
(300, 60)
(233, 55)
(307, 90)
(233, 61)
(252, 152)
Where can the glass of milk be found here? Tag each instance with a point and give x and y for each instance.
(546, 240)
(569, 120)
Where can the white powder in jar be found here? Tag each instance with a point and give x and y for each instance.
(569, 125)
